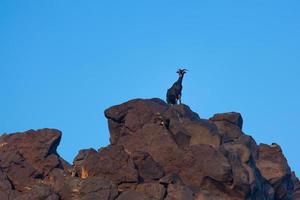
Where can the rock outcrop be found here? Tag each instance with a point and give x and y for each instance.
(157, 152)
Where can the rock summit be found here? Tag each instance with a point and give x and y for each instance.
(157, 152)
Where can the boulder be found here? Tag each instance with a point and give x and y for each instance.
(204, 161)
(155, 140)
(28, 157)
(88, 189)
(274, 167)
(131, 116)
(147, 168)
(111, 163)
(229, 125)
(202, 132)
(228, 131)
(231, 117)
(97, 188)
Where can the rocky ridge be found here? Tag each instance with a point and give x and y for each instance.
(157, 152)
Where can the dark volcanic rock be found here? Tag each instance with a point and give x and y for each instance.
(157, 152)
(89, 189)
(274, 168)
(194, 167)
(202, 132)
(39, 192)
(148, 169)
(132, 116)
(231, 117)
(27, 158)
(229, 125)
(111, 163)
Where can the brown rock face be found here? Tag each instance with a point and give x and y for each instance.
(157, 152)
(26, 160)
(231, 117)
(111, 163)
(274, 167)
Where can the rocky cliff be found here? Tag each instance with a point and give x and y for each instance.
(157, 152)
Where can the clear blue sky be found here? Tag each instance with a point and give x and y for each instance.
(63, 62)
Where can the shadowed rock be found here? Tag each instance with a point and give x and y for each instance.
(296, 182)
(148, 169)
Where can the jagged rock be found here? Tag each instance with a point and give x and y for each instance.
(80, 159)
(96, 188)
(112, 163)
(212, 189)
(274, 168)
(231, 117)
(148, 169)
(56, 179)
(5, 183)
(135, 126)
(89, 189)
(202, 132)
(132, 116)
(82, 155)
(228, 131)
(183, 140)
(240, 150)
(241, 179)
(6, 188)
(181, 112)
(250, 144)
(229, 125)
(155, 140)
(28, 157)
(271, 162)
(202, 161)
(157, 152)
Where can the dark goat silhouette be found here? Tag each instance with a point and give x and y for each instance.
(174, 93)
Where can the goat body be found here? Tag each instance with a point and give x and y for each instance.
(174, 93)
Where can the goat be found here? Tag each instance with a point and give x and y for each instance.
(174, 93)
